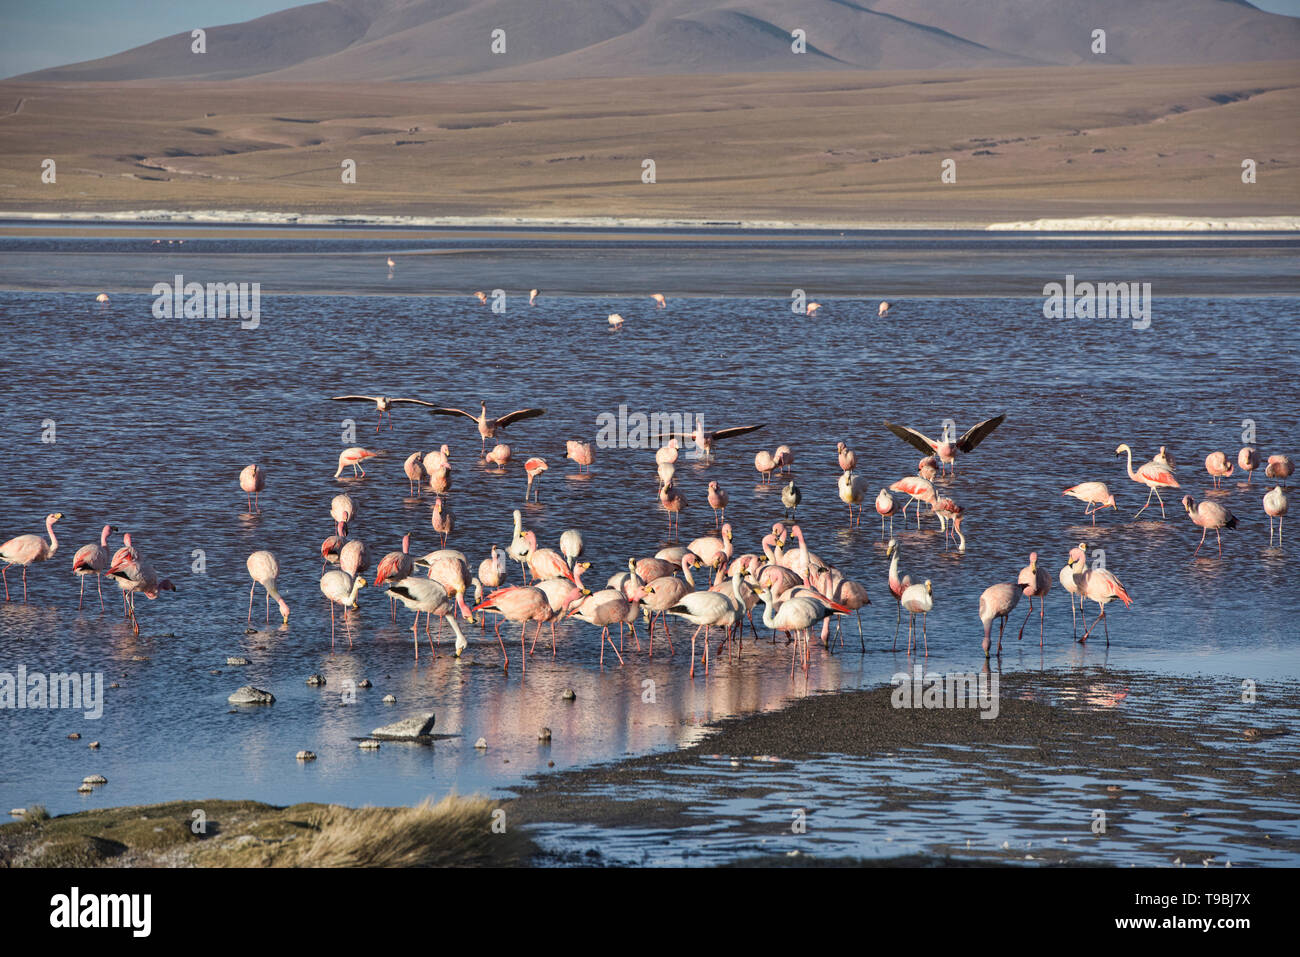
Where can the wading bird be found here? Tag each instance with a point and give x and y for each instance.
(918, 598)
(886, 506)
(1248, 459)
(997, 603)
(488, 428)
(1209, 515)
(1095, 494)
(26, 549)
(428, 596)
(583, 453)
(704, 440)
(353, 456)
(718, 502)
(1153, 475)
(853, 492)
(1217, 464)
(384, 404)
(264, 569)
(341, 589)
(1279, 467)
(252, 480)
(947, 449)
(1101, 586)
(93, 560)
(1036, 583)
(533, 468)
(1275, 507)
(790, 499)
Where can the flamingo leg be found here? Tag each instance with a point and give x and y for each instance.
(99, 585)
(1148, 504)
(1202, 542)
(250, 602)
(83, 577)
(1026, 621)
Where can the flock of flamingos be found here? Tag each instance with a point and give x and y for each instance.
(799, 591)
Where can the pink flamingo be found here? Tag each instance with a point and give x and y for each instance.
(947, 449)
(667, 454)
(521, 603)
(1275, 505)
(26, 549)
(264, 569)
(886, 506)
(765, 464)
(499, 455)
(533, 468)
(127, 553)
(928, 468)
(997, 602)
(440, 480)
(342, 510)
(708, 547)
(1248, 459)
(848, 459)
(667, 591)
(918, 598)
(353, 557)
(717, 502)
(919, 490)
(853, 491)
(442, 519)
(384, 404)
(252, 480)
(93, 560)
(330, 548)
(1095, 494)
(353, 456)
(1217, 464)
(947, 512)
(784, 458)
(704, 440)
(897, 585)
(488, 428)
(1279, 467)
(673, 502)
(1209, 515)
(546, 562)
(341, 589)
(396, 566)
(1101, 586)
(1071, 580)
(562, 594)
(658, 297)
(1037, 584)
(1153, 475)
(532, 297)
(135, 576)
(437, 459)
(415, 473)
(582, 453)
(424, 595)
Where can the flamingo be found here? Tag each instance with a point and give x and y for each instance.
(790, 499)
(391, 264)
(949, 511)
(561, 594)
(533, 468)
(718, 502)
(709, 609)
(673, 502)
(330, 548)
(102, 297)
(896, 585)
(1217, 464)
(264, 569)
(415, 473)
(1248, 459)
(394, 567)
(26, 549)
(1275, 507)
(929, 468)
(341, 589)
(1071, 581)
(704, 441)
(794, 616)
(252, 480)
(532, 296)
(518, 547)
(1036, 583)
(440, 480)
(784, 458)
(439, 458)
(1095, 494)
(353, 456)
(765, 464)
(1279, 467)
(997, 602)
(582, 453)
(137, 575)
(1165, 457)
(707, 547)
(658, 297)
(1209, 515)
(481, 296)
(488, 428)
(919, 489)
(342, 510)
(546, 562)
(883, 308)
(615, 322)
(667, 472)
(667, 454)
(604, 608)
(886, 506)
(918, 598)
(946, 449)
(811, 308)
(853, 490)
(425, 595)
(353, 557)
(93, 560)
(442, 519)
(1100, 585)
(384, 404)
(1153, 475)
(571, 545)
(499, 455)
(667, 591)
(847, 457)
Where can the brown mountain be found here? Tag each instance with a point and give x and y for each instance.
(371, 40)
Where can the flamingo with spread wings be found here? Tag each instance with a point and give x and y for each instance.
(384, 404)
(488, 428)
(946, 448)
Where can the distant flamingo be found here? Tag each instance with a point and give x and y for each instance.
(918, 599)
(1095, 494)
(853, 491)
(1279, 467)
(1217, 464)
(583, 453)
(886, 506)
(264, 569)
(341, 589)
(1037, 583)
(1275, 505)
(811, 308)
(659, 299)
(26, 549)
(949, 512)
(615, 320)
(847, 457)
(717, 502)
(342, 510)
(353, 456)
(884, 308)
(765, 464)
(1101, 586)
(488, 428)
(946, 449)
(1153, 475)
(790, 499)
(532, 296)
(705, 440)
(415, 473)
(252, 480)
(1248, 459)
(499, 455)
(481, 296)
(93, 560)
(1209, 515)
(442, 519)
(533, 468)
(384, 404)
(997, 602)
(673, 502)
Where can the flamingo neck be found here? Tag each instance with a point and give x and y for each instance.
(54, 542)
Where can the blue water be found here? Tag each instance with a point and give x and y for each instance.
(154, 418)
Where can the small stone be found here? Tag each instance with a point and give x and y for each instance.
(306, 755)
(550, 764)
(74, 737)
(235, 660)
(569, 695)
(94, 779)
(214, 672)
(94, 745)
(416, 726)
(18, 812)
(250, 695)
(368, 744)
(315, 681)
(481, 744)
(115, 685)
(364, 683)
(84, 788)
(390, 699)
(544, 734)
(1251, 734)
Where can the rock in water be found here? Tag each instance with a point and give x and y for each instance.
(306, 755)
(569, 694)
(315, 681)
(250, 695)
(408, 729)
(235, 660)
(544, 734)
(94, 779)
(481, 744)
(367, 744)
(390, 699)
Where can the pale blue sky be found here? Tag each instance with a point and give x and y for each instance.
(42, 33)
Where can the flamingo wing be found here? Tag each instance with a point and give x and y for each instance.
(518, 414)
(438, 410)
(978, 433)
(912, 437)
(415, 402)
(355, 398)
(736, 430)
